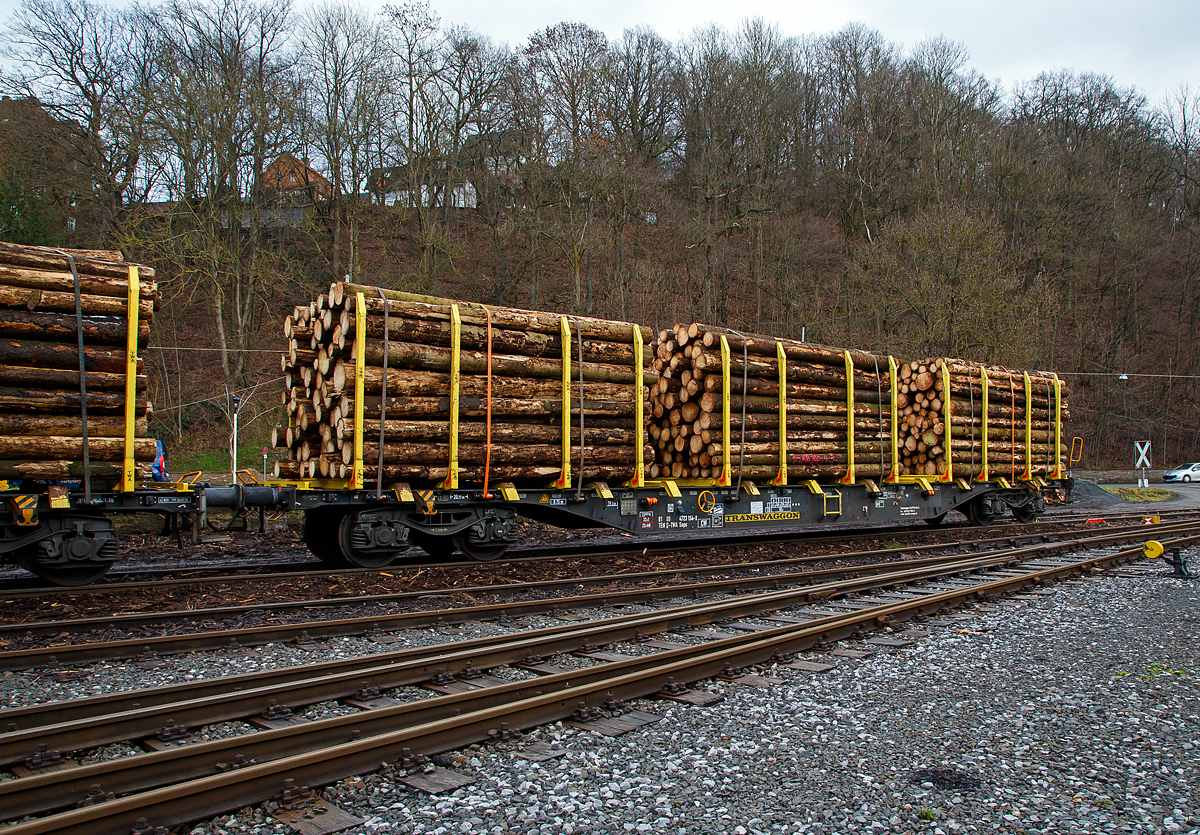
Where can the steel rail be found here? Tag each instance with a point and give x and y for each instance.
(254, 636)
(88, 723)
(108, 650)
(652, 547)
(635, 678)
(42, 793)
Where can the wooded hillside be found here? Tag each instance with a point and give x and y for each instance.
(833, 187)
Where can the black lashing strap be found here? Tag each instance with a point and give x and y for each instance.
(87, 464)
(382, 397)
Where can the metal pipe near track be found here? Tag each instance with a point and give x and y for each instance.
(635, 678)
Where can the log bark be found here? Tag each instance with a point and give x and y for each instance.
(45, 300)
(87, 261)
(62, 378)
(60, 327)
(28, 352)
(29, 424)
(59, 402)
(502, 455)
(57, 447)
(430, 307)
(502, 433)
(63, 282)
(52, 470)
(432, 358)
(474, 337)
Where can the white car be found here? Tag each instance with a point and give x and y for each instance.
(1184, 472)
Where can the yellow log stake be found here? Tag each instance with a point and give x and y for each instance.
(129, 470)
(949, 474)
(849, 479)
(781, 359)
(1028, 428)
(564, 327)
(894, 383)
(639, 421)
(983, 439)
(726, 474)
(360, 361)
(1057, 427)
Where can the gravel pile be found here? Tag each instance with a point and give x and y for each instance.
(1076, 711)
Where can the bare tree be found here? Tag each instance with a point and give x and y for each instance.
(87, 64)
(346, 73)
(225, 106)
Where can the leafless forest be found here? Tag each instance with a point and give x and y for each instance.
(832, 186)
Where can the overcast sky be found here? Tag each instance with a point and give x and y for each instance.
(1151, 44)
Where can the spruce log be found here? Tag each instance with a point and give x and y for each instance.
(46, 300)
(28, 352)
(474, 337)
(92, 262)
(53, 470)
(63, 282)
(710, 363)
(410, 383)
(68, 402)
(432, 358)
(793, 349)
(60, 327)
(418, 474)
(502, 433)
(58, 447)
(476, 407)
(102, 426)
(62, 378)
(417, 306)
(514, 455)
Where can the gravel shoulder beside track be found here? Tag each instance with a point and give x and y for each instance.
(1077, 711)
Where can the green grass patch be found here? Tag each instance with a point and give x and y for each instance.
(1142, 494)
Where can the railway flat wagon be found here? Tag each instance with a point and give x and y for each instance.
(414, 421)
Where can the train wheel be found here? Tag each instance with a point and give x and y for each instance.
(350, 541)
(1025, 514)
(979, 511)
(438, 547)
(70, 574)
(481, 551)
(321, 527)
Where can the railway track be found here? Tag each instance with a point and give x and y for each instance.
(186, 782)
(16, 584)
(93, 639)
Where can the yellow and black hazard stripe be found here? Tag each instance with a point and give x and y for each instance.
(425, 501)
(24, 509)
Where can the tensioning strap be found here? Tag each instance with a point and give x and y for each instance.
(582, 436)
(87, 464)
(382, 397)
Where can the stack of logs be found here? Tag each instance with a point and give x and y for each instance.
(41, 391)
(922, 419)
(686, 427)
(406, 409)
